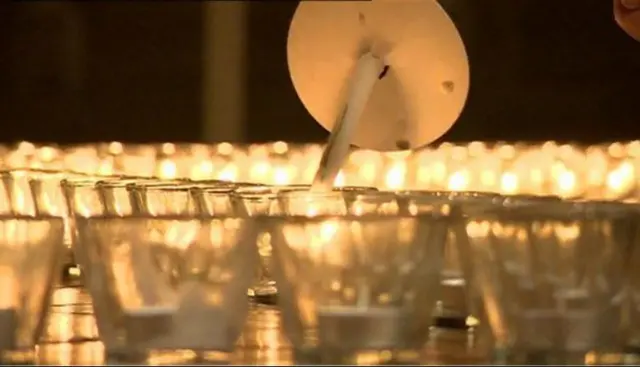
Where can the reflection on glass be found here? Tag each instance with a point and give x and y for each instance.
(350, 286)
(170, 283)
(214, 201)
(451, 310)
(550, 276)
(30, 250)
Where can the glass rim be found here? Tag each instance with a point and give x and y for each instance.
(337, 193)
(260, 217)
(9, 171)
(446, 193)
(213, 190)
(264, 189)
(157, 183)
(80, 182)
(162, 217)
(369, 217)
(31, 218)
(558, 210)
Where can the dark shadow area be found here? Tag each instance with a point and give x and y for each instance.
(131, 71)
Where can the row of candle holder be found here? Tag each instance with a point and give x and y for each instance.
(606, 171)
(357, 271)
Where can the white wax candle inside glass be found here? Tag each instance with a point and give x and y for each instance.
(358, 311)
(152, 311)
(150, 323)
(360, 328)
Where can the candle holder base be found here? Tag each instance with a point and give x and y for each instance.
(175, 357)
(264, 293)
(331, 356)
(555, 357)
(456, 322)
(17, 357)
(70, 271)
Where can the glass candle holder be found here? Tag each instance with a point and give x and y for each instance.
(273, 200)
(254, 201)
(357, 289)
(157, 200)
(551, 278)
(49, 199)
(92, 197)
(261, 199)
(213, 200)
(632, 324)
(83, 198)
(17, 191)
(115, 195)
(337, 202)
(172, 284)
(451, 311)
(31, 250)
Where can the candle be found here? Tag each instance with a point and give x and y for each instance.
(357, 327)
(145, 324)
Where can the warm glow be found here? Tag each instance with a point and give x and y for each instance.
(566, 183)
(259, 171)
(477, 229)
(228, 173)
(395, 176)
(9, 290)
(282, 175)
(509, 183)
(280, 147)
(115, 148)
(458, 181)
(225, 148)
(202, 170)
(181, 234)
(339, 180)
(168, 169)
(606, 171)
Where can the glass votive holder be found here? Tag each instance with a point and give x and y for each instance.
(633, 280)
(95, 197)
(82, 196)
(272, 200)
(261, 200)
(451, 310)
(170, 285)
(31, 250)
(18, 196)
(307, 203)
(48, 194)
(214, 200)
(337, 202)
(550, 278)
(158, 200)
(218, 184)
(357, 289)
(115, 196)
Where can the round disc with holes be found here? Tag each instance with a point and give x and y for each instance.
(424, 88)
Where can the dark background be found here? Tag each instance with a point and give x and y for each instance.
(132, 71)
